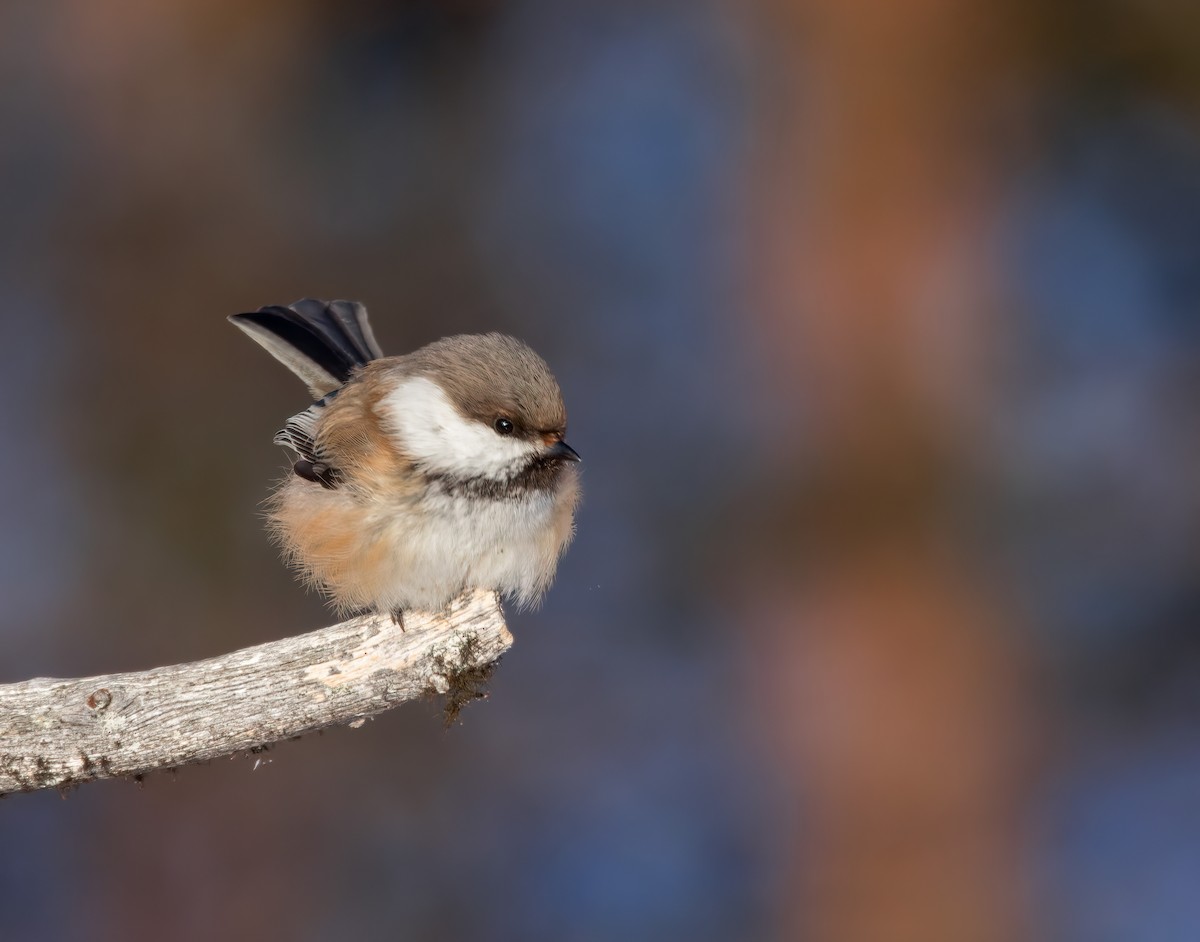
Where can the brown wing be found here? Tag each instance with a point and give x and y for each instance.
(339, 440)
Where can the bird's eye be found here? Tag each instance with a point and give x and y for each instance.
(503, 426)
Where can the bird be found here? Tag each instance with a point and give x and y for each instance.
(417, 477)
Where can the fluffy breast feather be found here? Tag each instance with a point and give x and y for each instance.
(422, 551)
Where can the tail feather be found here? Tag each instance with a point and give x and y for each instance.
(351, 317)
(321, 342)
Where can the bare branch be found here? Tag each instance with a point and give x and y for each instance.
(59, 733)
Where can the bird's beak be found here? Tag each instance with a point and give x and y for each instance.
(563, 452)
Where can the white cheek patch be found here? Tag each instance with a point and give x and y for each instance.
(430, 430)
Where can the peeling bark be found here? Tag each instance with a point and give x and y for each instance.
(60, 733)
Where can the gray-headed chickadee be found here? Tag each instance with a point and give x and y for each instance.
(419, 476)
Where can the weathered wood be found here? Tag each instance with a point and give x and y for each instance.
(60, 733)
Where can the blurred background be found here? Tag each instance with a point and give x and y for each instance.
(877, 323)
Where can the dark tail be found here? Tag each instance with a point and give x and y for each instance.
(320, 341)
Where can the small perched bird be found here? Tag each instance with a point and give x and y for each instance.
(417, 477)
